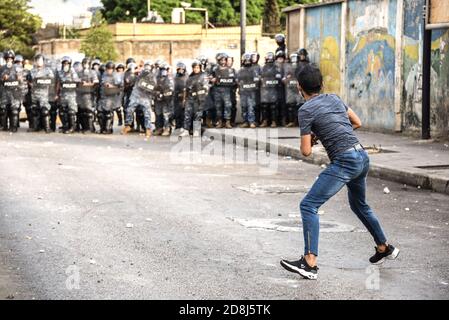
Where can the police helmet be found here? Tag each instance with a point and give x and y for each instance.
(66, 59)
(280, 38)
(9, 54)
(196, 63)
(110, 65)
(303, 52)
(130, 60)
(269, 57)
(18, 59)
(246, 59)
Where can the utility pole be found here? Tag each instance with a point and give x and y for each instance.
(242, 27)
(426, 69)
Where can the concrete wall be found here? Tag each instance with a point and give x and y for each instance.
(412, 70)
(322, 40)
(377, 47)
(170, 51)
(370, 56)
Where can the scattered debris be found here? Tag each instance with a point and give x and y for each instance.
(386, 190)
(40, 197)
(129, 225)
(95, 201)
(444, 283)
(148, 219)
(419, 187)
(323, 166)
(92, 261)
(407, 209)
(320, 212)
(41, 251)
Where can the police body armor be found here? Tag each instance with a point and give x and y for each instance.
(12, 85)
(165, 87)
(109, 92)
(270, 83)
(197, 87)
(180, 86)
(68, 82)
(225, 76)
(147, 82)
(42, 79)
(248, 79)
(88, 76)
(292, 95)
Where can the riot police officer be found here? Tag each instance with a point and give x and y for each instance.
(130, 77)
(282, 108)
(141, 99)
(180, 94)
(196, 89)
(224, 80)
(41, 78)
(11, 78)
(67, 82)
(87, 94)
(230, 64)
(280, 41)
(110, 92)
(164, 98)
(293, 97)
(120, 70)
(255, 57)
(209, 105)
(271, 77)
(248, 81)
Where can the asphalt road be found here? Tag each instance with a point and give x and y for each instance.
(113, 217)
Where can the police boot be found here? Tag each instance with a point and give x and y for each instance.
(184, 133)
(90, 122)
(3, 121)
(158, 131)
(219, 124)
(209, 123)
(228, 124)
(196, 129)
(46, 123)
(109, 123)
(36, 121)
(120, 118)
(14, 121)
(127, 129)
(166, 132)
(71, 124)
(53, 116)
(244, 125)
(253, 125)
(264, 124)
(274, 124)
(147, 133)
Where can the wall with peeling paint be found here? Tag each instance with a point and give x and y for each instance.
(367, 69)
(412, 70)
(323, 28)
(370, 56)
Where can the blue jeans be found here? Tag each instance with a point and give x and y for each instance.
(349, 168)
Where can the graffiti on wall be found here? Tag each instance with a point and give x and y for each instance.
(370, 53)
(323, 25)
(412, 70)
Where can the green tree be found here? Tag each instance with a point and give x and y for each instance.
(99, 41)
(271, 17)
(17, 26)
(221, 12)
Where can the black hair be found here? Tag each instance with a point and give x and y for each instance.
(310, 78)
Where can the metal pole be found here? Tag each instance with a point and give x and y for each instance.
(426, 69)
(242, 27)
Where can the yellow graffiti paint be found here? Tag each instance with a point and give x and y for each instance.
(372, 37)
(412, 51)
(330, 64)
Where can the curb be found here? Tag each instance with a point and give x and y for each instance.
(319, 157)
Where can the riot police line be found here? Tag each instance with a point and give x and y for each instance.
(86, 95)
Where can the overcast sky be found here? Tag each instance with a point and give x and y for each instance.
(60, 11)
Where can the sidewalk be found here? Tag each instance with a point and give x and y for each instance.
(423, 164)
